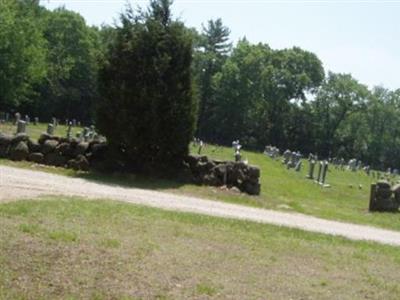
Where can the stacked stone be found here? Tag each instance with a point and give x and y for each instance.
(219, 173)
(384, 197)
(53, 151)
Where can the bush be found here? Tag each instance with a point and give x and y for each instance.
(147, 110)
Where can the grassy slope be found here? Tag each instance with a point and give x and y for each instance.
(281, 189)
(75, 249)
(289, 190)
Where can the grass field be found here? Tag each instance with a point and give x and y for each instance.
(76, 249)
(34, 131)
(282, 189)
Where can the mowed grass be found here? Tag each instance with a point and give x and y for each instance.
(34, 131)
(65, 248)
(281, 189)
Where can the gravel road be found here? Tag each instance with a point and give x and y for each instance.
(19, 183)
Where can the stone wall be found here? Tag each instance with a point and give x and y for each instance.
(219, 173)
(78, 155)
(384, 197)
(53, 151)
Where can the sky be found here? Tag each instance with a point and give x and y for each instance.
(361, 37)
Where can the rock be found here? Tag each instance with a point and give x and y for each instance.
(65, 149)
(55, 159)
(396, 188)
(79, 163)
(253, 172)
(99, 151)
(73, 164)
(251, 188)
(83, 163)
(19, 151)
(43, 138)
(383, 184)
(33, 146)
(49, 146)
(4, 151)
(36, 157)
(211, 180)
(20, 137)
(81, 149)
(5, 140)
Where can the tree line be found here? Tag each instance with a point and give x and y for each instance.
(52, 64)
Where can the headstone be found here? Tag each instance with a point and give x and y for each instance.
(69, 130)
(35, 121)
(319, 172)
(74, 122)
(200, 147)
(21, 127)
(311, 168)
(324, 171)
(17, 117)
(297, 168)
(27, 119)
(50, 129)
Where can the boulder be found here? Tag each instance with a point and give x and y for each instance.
(55, 159)
(99, 151)
(251, 188)
(19, 151)
(20, 137)
(49, 146)
(65, 149)
(43, 137)
(33, 146)
(5, 140)
(83, 163)
(4, 151)
(81, 149)
(79, 163)
(36, 157)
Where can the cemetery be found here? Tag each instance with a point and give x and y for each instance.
(326, 189)
(150, 159)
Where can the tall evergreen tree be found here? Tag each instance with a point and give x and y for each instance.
(211, 55)
(147, 111)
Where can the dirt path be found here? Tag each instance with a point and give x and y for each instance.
(19, 183)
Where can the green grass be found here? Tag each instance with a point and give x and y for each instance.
(67, 248)
(34, 131)
(282, 189)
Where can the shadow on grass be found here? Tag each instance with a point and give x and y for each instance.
(131, 180)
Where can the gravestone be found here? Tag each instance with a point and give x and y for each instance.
(35, 121)
(319, 172)
(21, 127)
(17, 117)
(324, 172)
(297, 168)
(50, 129)
(27, 119)
(311, 168)
(69, 130)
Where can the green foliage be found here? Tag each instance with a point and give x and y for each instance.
(22, 54)
(338, 98)
(212, 50)
(147, 111)
(257, 89)
(71, 82)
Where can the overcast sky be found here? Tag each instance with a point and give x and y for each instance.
(357, 37)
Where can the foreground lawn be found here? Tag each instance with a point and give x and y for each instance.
(76, 249)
